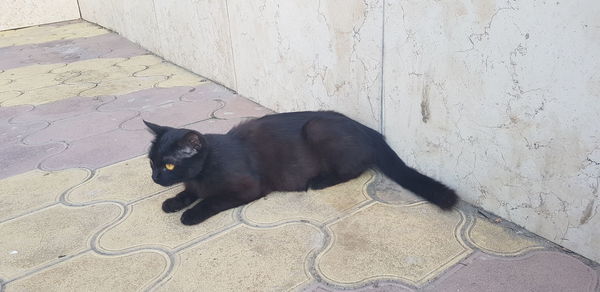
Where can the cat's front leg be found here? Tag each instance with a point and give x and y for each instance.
(208, 208)
(179, 202)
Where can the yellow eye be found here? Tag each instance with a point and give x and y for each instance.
(169, 166)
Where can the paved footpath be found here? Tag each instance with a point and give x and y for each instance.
(79, 212)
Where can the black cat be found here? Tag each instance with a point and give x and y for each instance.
(281, 152)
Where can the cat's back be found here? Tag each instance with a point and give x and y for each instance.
(282, 124)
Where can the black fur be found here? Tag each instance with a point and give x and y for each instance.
(280, 152)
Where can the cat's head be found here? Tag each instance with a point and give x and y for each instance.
(176, 155)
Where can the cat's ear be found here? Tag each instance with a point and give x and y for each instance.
(156, 129)
(192, 140)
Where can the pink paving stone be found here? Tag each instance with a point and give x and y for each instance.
(239, 107)
(67, 51)
(208, 91)
(7, 113)
(101, 150)
(175, 114)
(146, 98)
(79, 127)
(62, 109)
(18, 158)
(13, 133)
(543, 271)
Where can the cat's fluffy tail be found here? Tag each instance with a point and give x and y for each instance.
(393, 167)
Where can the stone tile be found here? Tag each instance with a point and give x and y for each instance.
(147, 98)
(124, 181)
(13, 133)
(79, 127)
(537, 271)
(240, 107)
(8, 113)
(50, 93)
(208, 90)
(410, 243)
(18, 158)
(247, 259)
(101, 150)
(312, 205)
(149, 225)
(35, 189)
(60, 230)
(177, 75)
(46, 33)
(108, 45)
(92, 272)
(62, 109)
(387, 287)
(175, 114)
(386, 190)
(123, 85)
(38, 84)
(494, 238)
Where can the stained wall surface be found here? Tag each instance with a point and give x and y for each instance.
(22, 13)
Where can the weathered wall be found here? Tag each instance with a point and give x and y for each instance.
(22, 13)
(497, 99)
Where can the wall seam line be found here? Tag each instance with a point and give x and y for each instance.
(231, 47)
(382, 89)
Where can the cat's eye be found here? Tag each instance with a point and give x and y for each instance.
(169, 166)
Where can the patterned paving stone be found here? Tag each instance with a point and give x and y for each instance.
(175, 114)
(47, 33)
(63, 109)
(92, 272)
(8, 113)
(95, 77)
(149, 225)
(408, 243)
(239, 107)
(386, 190)
(79, 127)
(371, 288)
(312, 205)
(108, 45)
(18, 158)
(101, 150)
(124, 181)
(13, 133)
(537, 271)
(147, 98)
(208, 90)
(494, 238)
(8, 95)
(35, 189)
(45, 235)
(247, 259)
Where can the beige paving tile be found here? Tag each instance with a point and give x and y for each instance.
(149, 225)
(494, 238)
(388, 191)
(36, 189)
(42, 34)
(94, 77)
(124, 181)
(247, 259)
(41, 237)
(92, 272)
(410, 243)
(316, 205)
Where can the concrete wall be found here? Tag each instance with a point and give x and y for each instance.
(22, 13)
(497, 99)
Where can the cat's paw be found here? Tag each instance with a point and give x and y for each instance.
(172, 205)
(190, 218)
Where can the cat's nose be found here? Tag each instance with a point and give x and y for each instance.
(155, 176)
